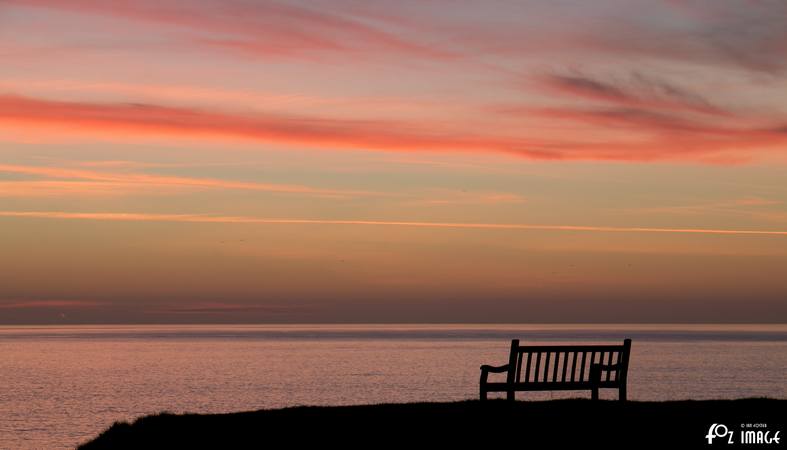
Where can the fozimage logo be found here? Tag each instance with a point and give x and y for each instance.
(719, 430)
(749, 433)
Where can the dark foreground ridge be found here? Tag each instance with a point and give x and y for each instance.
(544, 424)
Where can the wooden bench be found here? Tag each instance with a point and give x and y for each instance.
(561, 367)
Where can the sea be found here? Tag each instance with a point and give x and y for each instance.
(62, 385)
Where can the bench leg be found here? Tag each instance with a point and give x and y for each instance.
(595, 379)
(510, 396)
(622, 394)
(483, 394)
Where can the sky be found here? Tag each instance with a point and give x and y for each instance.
(177, 161)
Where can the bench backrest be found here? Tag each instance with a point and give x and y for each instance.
(567, 363)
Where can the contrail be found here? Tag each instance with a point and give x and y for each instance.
(198, 218)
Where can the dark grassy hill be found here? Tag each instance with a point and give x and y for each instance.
(492, 424)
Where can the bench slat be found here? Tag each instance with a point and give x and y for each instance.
(527, 371)
(609, 362)
(574, 367)
(582, 367)
(546, 366)
(518, 368)
(565, 366)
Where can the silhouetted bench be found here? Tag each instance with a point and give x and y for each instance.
(561, 368)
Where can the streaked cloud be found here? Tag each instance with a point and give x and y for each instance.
(758, 208)
(97, 118)
(197, 218)
(154, 120)
(49, 304)
(261, 28)
(633, 90)
(437, 197)
(124, 182)
(716, 32)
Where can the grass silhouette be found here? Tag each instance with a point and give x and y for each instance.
(570, 423)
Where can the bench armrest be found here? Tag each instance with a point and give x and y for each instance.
(485, 369)
(494, 369)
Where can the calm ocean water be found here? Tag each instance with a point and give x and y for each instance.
(61, 385)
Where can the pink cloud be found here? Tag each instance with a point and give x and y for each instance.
(97, 118)
(720, 33)
(688, 140)
(261, 28)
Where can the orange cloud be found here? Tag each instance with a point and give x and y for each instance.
(197, 218)
(54, 188)
(648, 135)
(456, 197)
(122, 182)
(136, 120)
(97, 118)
